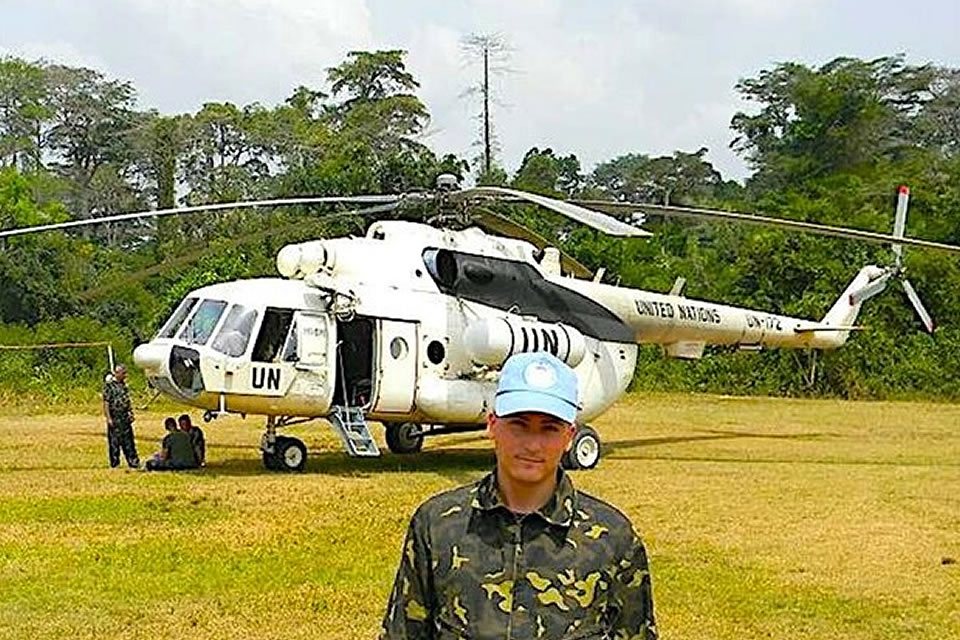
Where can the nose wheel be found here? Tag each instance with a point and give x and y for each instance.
(289, 454)
(282, 453)
(584, 450)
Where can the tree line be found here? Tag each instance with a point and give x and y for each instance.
(827, 144)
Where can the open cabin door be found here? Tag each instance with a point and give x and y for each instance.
(396, 366)
(354, 362)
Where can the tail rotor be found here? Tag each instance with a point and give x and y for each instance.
(899, 225)
(897, 270)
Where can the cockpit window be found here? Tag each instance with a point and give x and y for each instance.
(170, 328)
(273, 332)
(203, 322)
(235, 333)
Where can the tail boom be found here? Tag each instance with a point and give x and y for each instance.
(671, 320)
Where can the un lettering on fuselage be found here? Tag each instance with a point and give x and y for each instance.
(689, 312)
(541, 340)
(698, 314)
(265, 377)
(655, 309)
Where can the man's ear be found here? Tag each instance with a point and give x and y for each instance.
(571, 430)
(491, 424)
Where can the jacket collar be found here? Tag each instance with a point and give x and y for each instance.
(558, 510)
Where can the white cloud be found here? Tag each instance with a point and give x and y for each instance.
(247, 50)
(56, 51)
(435, 58)
(181, 53)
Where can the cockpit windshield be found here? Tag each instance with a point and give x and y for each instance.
(203, 322)
(170, 328)
(235, 333)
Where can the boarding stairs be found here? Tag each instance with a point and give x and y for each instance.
(350, 423)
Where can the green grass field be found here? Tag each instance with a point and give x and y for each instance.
(763, 518)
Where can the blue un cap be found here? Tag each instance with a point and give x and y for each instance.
(537, 382)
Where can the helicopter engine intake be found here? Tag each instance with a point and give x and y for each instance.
(301, 260)
(491, 341)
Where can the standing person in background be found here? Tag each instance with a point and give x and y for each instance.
(119, 415)
(197, 439)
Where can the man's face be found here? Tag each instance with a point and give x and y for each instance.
(529, 445)
(185, 424)
(120, 374)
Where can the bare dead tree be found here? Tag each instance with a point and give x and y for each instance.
(493, 53)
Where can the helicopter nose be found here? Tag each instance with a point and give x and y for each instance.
(150, 358)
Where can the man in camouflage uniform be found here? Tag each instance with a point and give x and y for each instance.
(119, 414)
(522, 554)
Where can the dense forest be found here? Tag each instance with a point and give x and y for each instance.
(826, 144)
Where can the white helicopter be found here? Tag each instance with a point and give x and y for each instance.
(409, 325)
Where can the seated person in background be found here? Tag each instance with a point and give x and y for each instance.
(170, 425)
(177, 452)
(197, 439)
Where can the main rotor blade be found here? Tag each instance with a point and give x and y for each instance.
(900, 222)
(925, 317)
(749, 218)
(156, 213)
(594, 219)
(198, 252)
(499, 224)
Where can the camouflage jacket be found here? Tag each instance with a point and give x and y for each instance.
(117, 397)
(470, 568)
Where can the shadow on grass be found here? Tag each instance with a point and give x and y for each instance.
(157, 440)
(611, 449)
(705, 435)
(457, 462)
(460, 464)
(53, 467)
(793, 461)
(463, 464)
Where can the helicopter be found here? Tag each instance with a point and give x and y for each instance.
(409, 324)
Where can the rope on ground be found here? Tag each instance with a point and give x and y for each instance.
(56, 345)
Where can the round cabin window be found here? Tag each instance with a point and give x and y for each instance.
(436, 352)
(398, 348)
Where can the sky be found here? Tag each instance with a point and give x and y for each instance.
(598, 79)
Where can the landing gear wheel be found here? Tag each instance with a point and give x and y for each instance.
(290, 454)
(584, 450)
(404, 437)
(270, 462)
